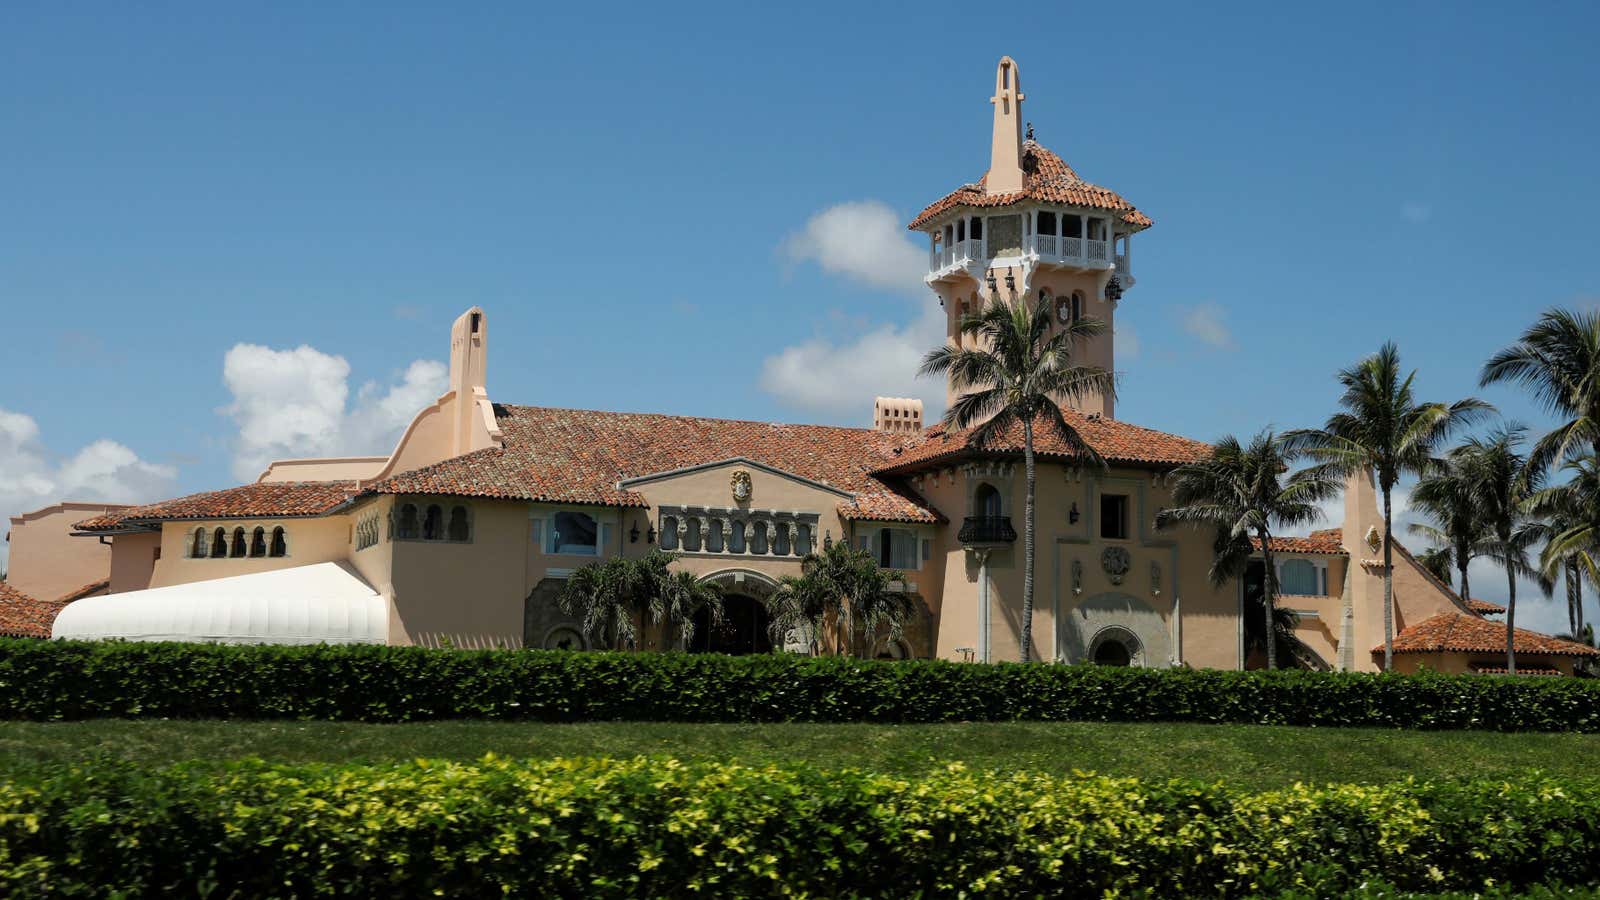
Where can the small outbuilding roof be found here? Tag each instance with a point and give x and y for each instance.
(1465, 633)
(21, 615)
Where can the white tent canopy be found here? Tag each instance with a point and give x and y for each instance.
(322, 603)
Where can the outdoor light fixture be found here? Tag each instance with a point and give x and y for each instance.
(633, 534)
(1011, 282)
(650, 536)
(1072, 514)
(827, 540)
(993, 288)
(1114, 289)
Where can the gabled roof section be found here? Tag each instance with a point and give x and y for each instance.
(261, 500)
(1485, 607)
(731, 461)
(1046, 179)
(1117, 442)
(23, 616)
(1327, 542)
(587, 457)
(1467, 633)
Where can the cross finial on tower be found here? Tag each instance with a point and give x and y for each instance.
(1005, 158)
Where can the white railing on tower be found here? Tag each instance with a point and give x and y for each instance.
(1096, 250)
(1044, 244)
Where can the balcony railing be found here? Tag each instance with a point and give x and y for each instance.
(986, 530)
(1091, 254)
(958, 253)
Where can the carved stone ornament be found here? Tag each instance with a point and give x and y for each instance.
(742, 488)
(1374, 539)
(1077, 577)
(1115, 561)
(1155, 579)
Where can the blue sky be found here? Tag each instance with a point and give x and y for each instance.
(627, 191)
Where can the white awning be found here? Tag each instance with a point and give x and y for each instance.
(322, 603)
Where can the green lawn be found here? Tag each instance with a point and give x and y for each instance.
(1248, 756)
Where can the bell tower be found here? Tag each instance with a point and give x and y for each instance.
(1032, 230)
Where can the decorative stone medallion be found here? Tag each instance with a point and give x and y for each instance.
(1115, 561)
(743, 490)
(1374, 539)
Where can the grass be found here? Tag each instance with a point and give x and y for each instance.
(1254, 757)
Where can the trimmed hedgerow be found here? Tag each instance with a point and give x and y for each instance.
(64, 680)
(655, 827)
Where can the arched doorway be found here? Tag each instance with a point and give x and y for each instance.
(743, 629)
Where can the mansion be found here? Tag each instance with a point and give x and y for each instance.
(464, 535)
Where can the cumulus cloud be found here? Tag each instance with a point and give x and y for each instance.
(1205, 322)
(864, 241)
(841, 378)
(106, 471)
(296, 403)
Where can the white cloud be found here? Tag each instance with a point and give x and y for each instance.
(293, 403)
(1125, 341)
(105, 471)
(864, 241)
(1205, 323)
(1415, 213)
(840, 379)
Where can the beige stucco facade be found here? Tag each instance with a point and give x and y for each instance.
(46, 561)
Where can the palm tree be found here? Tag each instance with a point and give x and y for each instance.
(1437, 560)
(1570, 514)
(678, 596)
(1444, 495)
(847, 585)
(1383, 430)
(1503, 482)
(1558, 361)
(1019, 372)
(1241, 492)
(614, 598)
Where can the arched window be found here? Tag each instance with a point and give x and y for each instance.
(1112, 653)
(219, 544)
(691, 538)
(736, 539)
(197, 546)
(239, 545)
(406, 528)
(433, 524)
(713, 537)
(280, 545)
(986, 502)
(458, 524)
(575, 532)
(669, 532)
(1116, 646)
(258, 542)
(1299, 576)
(805, 540)
(780, 539)
(759, 544)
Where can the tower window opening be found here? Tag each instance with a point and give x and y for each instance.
(1005, 77)
(1047, 222)
(1114, 516)
(1071, 226)
(977, 228)
(961, 229)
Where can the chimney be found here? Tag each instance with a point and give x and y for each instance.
(897, 415)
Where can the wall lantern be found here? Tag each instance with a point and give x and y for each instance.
(827, 541)
(633, 534)
(1072, 514)
(1114, 289)
(1011, 283)
(994, 289)
(650, 536)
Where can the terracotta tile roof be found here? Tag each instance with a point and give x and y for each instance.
(23, 616)
(1484, 607)
(88, 590)
(276, 500)
(580, 456)
(1317, 542)
(1467, 633)
(1118, 442)
(1046, 179)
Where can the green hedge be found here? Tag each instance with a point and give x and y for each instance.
(62, 680)
(642, 827)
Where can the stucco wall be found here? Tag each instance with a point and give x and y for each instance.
(310, 540)
(470, 594)
(46, 561)
(133, 560)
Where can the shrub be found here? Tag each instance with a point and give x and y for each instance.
(659, 827)
(65, 680)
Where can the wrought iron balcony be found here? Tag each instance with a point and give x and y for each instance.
(986, 530)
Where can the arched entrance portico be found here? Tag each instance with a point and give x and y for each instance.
(743, 629)
(745, 622)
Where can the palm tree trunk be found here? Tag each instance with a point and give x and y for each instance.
(1511, 618)
(1027, 543)
(1388, 583)
(1269, 594)
(1571, 569)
